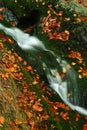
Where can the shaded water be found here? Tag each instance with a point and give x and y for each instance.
(61, 77)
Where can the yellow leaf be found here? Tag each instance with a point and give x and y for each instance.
(73, 63)
(35, 82)
(80, 76)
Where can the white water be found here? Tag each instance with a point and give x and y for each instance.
(52, 64)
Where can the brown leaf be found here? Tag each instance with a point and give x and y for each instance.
(2, 35)
(43, 117)
(1, 17)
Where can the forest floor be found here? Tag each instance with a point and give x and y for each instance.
(25, 102)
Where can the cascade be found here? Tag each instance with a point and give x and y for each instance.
(61, 76)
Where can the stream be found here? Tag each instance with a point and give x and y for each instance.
(61, 76)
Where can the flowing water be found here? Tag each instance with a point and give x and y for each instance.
(61, 76)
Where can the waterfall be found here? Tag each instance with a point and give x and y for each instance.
(61, 76)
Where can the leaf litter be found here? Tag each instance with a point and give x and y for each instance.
(20, 106)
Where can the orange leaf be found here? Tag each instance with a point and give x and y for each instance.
(43, 117)
(2, 120)
(24, 63)
(1, 45)
(12, 69)
(15, 54)
(20, 58)
(10, 41)
(29, 68)
(81, 19)
(29, 114)
(37, 106)
(64, 36)
(84, 127)
(17, 122)
(32, 123)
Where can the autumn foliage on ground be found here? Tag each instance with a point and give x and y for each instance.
(25, 101)
(18, 98)
(18, 101)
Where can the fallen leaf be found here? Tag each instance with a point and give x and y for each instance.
(84, 127)
(37, 106)
(29, 114)
(73, 63)
(29, 68)
(1, 17)
(2, 120)
(35, 82)
(1, 45)
(25, 63)
(17, 122)
(10, 40)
